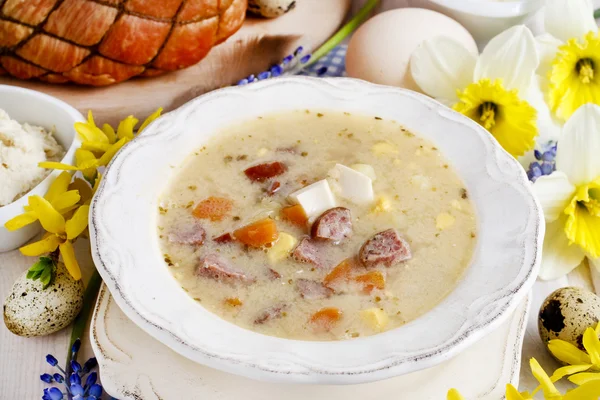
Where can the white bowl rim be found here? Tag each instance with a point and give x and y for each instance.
(110, 256)
(493, 9)
(16, 207)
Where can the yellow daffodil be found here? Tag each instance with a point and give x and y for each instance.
(493, 89)
(570, 197)
(60, 232)
(453, 394)
(99, 146)
(570, 56)
(584, 366)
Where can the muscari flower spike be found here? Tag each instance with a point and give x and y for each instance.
(74, 390)
(545, 164)
(290, 65)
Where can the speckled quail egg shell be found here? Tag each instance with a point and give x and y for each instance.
(270, 8)
(30, 310)
(567, 313)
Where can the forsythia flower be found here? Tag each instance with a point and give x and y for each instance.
(579, 361)
(570, 56)
(99, 146)
(490, 89)
(589, 390)
(570, 197)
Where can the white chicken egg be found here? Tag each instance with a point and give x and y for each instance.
(380, 49)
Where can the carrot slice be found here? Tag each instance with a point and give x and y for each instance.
(258, 233)
(340, 273)
(325, 318)
(371, 280)
(295, 214)
(213, 208)
(233, 302)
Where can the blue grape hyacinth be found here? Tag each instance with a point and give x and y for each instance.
(545, 163)
(291, 64)
(73, 387)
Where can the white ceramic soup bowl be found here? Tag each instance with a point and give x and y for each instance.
(35, 108)
(126, 249)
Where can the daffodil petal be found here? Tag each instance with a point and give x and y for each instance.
(110, 133)
(592, 345)
(59, 186)
(454, 394)
(548, 126)
(57, 165)
(125, 128)
(566, 19)
(90, 133)
(110, 153)
(569, 370)
(584, 377)
(50, 219)
(558, 256)
(77, 223)
(579, 146)
(20, 221)
(547, 386)
(68, 254)
(46, 245)
(95, 146)
(441, 65)
(511, 56)
(150, 118)
(547, 46)
(554, 193)
(587, 391)
(568, 353)
(66, 200)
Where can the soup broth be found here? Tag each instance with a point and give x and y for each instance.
(317, 225)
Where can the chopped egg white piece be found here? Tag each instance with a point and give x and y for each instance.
(384, 148)
(315, 198)
(376, 318)
(262, 151)
(383, 204)
(366, 169)
(282, 247)
(352, 185)
(444, 221)
(456, 204)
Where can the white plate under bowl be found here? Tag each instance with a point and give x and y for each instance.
(126, 251)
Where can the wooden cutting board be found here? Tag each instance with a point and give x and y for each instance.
(259, 44)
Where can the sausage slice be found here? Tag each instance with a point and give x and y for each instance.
(273, 312)
(192, 234)
(313, 290)
(307, 251)
(214, 267)
(385, 248)
(262, 172)
(334, 224)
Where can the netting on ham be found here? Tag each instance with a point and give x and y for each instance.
(102, 42)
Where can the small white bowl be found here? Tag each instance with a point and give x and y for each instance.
(35, 108)
(484, 19)
(126, 251)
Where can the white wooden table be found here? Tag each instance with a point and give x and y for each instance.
(22, 360)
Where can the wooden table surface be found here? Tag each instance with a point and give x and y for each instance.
(22, 360)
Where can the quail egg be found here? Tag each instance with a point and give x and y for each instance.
(567, 313)
(30, 310)
(270, 8)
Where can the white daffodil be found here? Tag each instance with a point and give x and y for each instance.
(570, 56)
(491, 88)
(570, 197)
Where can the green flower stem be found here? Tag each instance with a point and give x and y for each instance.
(346, 30)
(597, 13)
(89, 299)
